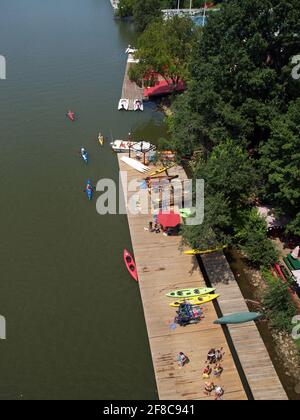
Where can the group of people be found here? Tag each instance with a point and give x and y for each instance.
(153, 228)
(214, 357)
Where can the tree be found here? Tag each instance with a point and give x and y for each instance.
(125, 8)
(279, 162)
(144, 11)
(164, 49)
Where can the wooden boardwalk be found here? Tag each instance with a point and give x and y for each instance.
(131, 90)
(162, 267)
(253, 355)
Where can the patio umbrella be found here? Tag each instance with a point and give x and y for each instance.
(170, 219)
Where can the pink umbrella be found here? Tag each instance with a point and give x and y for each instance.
(170, 219)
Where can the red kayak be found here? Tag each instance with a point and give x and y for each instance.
(130, 264)
(71, 115)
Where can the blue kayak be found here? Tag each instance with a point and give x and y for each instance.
(85, 156)
(89, 190)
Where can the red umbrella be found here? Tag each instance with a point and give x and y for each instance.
(170, 219)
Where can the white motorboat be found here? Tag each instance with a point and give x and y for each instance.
(138, 105)
(123, 104)
(130, 50)
(125, 145)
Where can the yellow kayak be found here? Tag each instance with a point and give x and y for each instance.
(206, 251)
(200, 300)
(101, 139)
(161, 170)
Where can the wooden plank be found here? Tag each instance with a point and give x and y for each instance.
(162, 267)
(254, 357)
(131, 90)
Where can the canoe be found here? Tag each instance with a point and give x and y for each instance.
(206, 251)
(238, 318)
(89, 190)
(101, 139)
(161, 170)
(184, 293)
(85, 157)
(130, 264)
(200, 300)
(71, 115)
(138, 166)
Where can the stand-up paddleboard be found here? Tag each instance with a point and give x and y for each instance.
(138, 166)
(206, 251)
(238, 318)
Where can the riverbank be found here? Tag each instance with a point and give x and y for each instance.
(283, 350)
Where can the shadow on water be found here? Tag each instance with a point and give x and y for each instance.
(239, 268)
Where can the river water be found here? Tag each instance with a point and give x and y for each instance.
(75, 324)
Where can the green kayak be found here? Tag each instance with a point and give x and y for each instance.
(183, 293)
(186, 213)
(238, 318)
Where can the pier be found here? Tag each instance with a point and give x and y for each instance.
(131, 90)
(162, 267)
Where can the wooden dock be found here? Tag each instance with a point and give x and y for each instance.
(163, 267)
(253, 355)
(131, 90)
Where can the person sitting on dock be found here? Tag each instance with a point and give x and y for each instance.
(211, 356)
(182, 359)
(208, 388)
(207, 372)
(219, 392)
(218, 370)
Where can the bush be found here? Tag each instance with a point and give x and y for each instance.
(279, 306)
(252, 238)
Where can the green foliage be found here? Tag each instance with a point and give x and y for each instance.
(144, 11)
(164, 48)
(126, 8)
(280, 157)
(253, 240)
(279, 306)
(213, 231)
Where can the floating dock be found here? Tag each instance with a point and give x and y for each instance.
(248, 370)
(131, 90)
